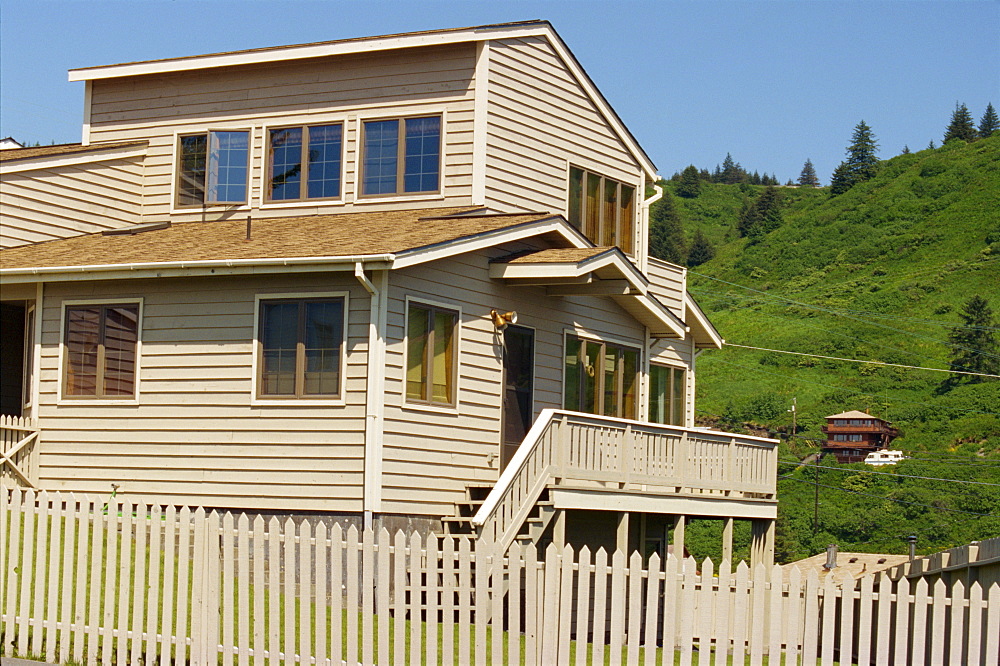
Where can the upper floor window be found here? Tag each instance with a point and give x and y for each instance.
(666, 395)
(213, 168)
(304, 162)
(301, 346)
(101, 350)
(602, 208)
(401, 156)
(600, 378)
(431, 363)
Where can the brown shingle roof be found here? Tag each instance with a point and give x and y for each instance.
(345, 234)
(568, 255)
(61, 149)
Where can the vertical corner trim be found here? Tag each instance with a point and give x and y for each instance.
(480, 123)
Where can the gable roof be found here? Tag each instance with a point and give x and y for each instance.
(381, 43)
(855, 414)
(62, 149)
(315, 239)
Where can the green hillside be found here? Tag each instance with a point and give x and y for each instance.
(880, 272)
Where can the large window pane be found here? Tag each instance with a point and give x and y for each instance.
(325, 143)
(677, 399)
(610, 216)
(572, 372)
(626, 219)
(423, 154)
(83, 337)
(659, 393)
(592, 224)
(279, 343)
(191, 179)
(324, 324)
(286, 163)
(227, 167)
(612, 375)
(417, 334)
(576, 197)
(121, 328)
(301, 344)
(593, 354)
(444, 327)
(630, 383)
(381, 156)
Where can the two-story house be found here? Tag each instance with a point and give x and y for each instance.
(399, 279)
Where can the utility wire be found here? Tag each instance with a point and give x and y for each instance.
(901, 476)
(864, 321)
(856, 360)
(882, 497)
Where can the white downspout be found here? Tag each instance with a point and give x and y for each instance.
(644, 238)
(374, 409)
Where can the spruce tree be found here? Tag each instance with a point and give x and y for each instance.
(974, 345)
(861, 163)
(732, 172)
(808, 176)
(989, 123)
(961, 125)
(666, 235)
(768, 210)
(931, 146)
(690, 183)
(701, 250)
(747, 221)
(906, 150)
(840, 181)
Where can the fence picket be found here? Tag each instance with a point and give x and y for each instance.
(306, 589)
(652, 604)
(758, 614)
(565, 616)
(723, 615)
(50, 612)
(322, 593)
(618, 607)
(351, 601)
(122, 584)
(845, 643)
(974, 636)
(288, 580)
(170, 536)
(902, 623)
(448, 569)
(432, 565)
(242, 583)
(398, 598)
(956, 640)
(382, 596)
(337, 642)
(27, 563)
(6, 511)
(919, 626)
(668, 634)
(531, 620)
(829, 621)
(464, 606)
(417, 588)
(882, 626)
(992, 648)
(155, 583)
(497, 598)
(72, 590)
(482, 604)
(515, 567)
(686, 642)
(260, 618)
(706, 612)
(139, 586)
(368, 596)
(273, 591)
(865, 600)
(776, 619)
(937, 621)
(810, 609)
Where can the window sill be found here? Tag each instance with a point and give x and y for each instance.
(224, 207)
(297, 402)
(97, 402)
(431, 409)
(397, 198)
(302, 203)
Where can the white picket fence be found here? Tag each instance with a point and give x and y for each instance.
(101, 582)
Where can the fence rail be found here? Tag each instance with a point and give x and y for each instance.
(18, 451)
(570, 447)
(126, 583)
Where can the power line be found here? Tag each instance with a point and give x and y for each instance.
(901, 476)
(863, 321)
(882, 497)
(856, 360)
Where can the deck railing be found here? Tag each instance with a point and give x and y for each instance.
(18, 451)
(571, 448)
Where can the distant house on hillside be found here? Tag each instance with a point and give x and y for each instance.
(9, 142)
(851, 436)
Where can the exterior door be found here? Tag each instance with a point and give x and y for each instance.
(519, 379)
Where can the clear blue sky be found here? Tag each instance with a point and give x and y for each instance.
(771, 82)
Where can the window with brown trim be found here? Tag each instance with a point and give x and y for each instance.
(600, 378)
(300, 345)
(666, 395)
(602, 209)
(401, 156)
(304, 162)
(431, 363)
(213, 168)
(100, 343)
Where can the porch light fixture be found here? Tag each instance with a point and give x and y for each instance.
(502, 319)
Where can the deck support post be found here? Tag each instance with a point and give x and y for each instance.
(762, 542)
(679, 523)
(727, 541)
(622, 536)
(559, 528)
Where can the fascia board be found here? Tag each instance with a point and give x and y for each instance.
(660, 314)
(573, 270)
(489, 239)
(301, 52)
(192, 268)
(97, 155)
(692, 311)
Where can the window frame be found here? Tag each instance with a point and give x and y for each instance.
(65, 399)
(669, 407)
(359, 182)
(599, 388)
(259, 399)
(268, 166)
(28, 362)
(176, 204)
(599, 236)
(456, 364)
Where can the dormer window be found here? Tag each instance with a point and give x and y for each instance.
(401, 156)
(304, 162)
(213, 168)
(603, 209)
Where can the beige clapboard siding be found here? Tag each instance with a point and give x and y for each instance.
(62, 201)
(195, 432)
(419, 444)
(539, 116)
(668, 282)
(343, 89)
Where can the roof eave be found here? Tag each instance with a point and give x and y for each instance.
(702, 330)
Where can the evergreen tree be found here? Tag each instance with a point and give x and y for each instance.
(961, 125)
(705, 175)
(761, 215)
(732, 172)
(666, 235)
(808, 176)
(748, 218)
(906, 150)
(861, 163)
(690, 183)
(931, 146)
(975, 347)
(701, 250)
(989, 123)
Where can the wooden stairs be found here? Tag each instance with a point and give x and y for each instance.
(531, 531)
